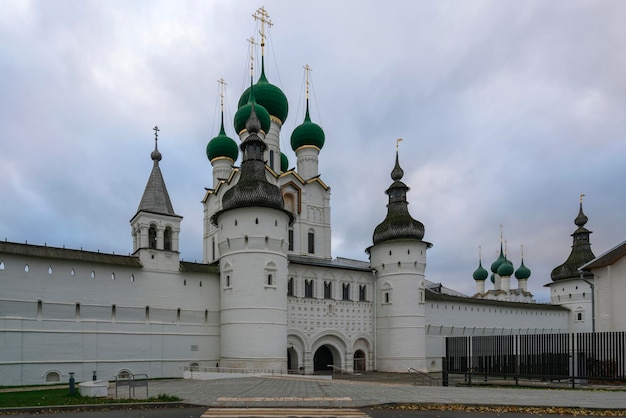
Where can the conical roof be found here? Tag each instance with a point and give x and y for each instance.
(398, 224)
(155, 198)
(581, 251)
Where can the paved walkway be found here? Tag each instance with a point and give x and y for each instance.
(290, 392)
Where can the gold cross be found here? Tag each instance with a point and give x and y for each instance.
(262, 16)
(222, 84)
(307, 71)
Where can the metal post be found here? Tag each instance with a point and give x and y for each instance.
(72, 382)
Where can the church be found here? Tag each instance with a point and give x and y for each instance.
(268, 294)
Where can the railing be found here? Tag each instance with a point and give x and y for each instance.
(132, 381)
(423, 377)
(576, 358)
(234, 370)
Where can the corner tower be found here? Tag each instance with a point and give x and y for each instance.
(155, 227)
(398, 258)
(253, 242)
(573, 288)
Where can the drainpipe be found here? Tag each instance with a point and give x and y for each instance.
(375, 291)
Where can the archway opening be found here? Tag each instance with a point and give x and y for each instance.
(292, 360)
(323, 359)
(359, 361)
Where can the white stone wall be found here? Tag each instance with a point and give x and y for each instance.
(610, 288)
(64, 316)
(457, 318)
(575, 295)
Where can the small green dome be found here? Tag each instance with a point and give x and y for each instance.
(522, 272)
(269, 96)
(480, 273)
(284, 162)
(493, 278)
(496, 264)
(308, 133)
(222, 146)
(242, 115)
(506, 269)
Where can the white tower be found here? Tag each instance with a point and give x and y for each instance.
(398, 258)
(155, 227)
(253, 246)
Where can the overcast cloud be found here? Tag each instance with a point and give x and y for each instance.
(508, 110)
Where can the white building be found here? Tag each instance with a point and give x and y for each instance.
(268, 294)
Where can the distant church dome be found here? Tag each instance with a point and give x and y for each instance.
(307, 133)
(243, 114)
(269, 96)
(522, 272)
(222, 146)
(506, 269)
(496, 264)
(480, 273)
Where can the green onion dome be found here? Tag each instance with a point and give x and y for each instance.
(269, 96)
(506, 269)
(243, 114)
(493, 278)
(496, 264)
(284, 162)
(480, 273)
(222, 146)
(522, 272)
(307, 133)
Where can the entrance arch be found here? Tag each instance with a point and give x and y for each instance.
(292, 360)
(322, 358)
(359, 361)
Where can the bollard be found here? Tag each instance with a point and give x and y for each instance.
(72, 381)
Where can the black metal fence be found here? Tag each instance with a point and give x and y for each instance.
(598, 357)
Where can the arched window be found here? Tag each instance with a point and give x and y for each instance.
(52, 377)
(152, 236)
(308, 288)
(167, 239)
(328, 290)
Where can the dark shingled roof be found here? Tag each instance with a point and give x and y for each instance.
(606, 259)
(30, 250)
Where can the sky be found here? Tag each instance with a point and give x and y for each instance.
(508, 112)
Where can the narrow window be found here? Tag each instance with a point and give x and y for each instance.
(311, 242)
(26, 268)
(152, 236)
(178, 315)
(50, 270)
(213, 248)
(167, 239)
(39, 309)
(113, 312)
(362, 293)
(290, 239)
(346, 292)
(272, 159)
(93, 274)
(227, 280)
(308, 288)
(387, 298)
(77, 312)
(1, 265)
(270, 280)
(132, 277)
(72, 273)
(113, 276)
(327, 290)
(147, 315)
(290, 287)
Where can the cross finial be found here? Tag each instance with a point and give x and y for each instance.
(262, 16)
(581, 198)
(156, 134)
(480, 251)
(222, 84)
(307, 71)
(398, 142)
(522, 248)
(252, 44)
